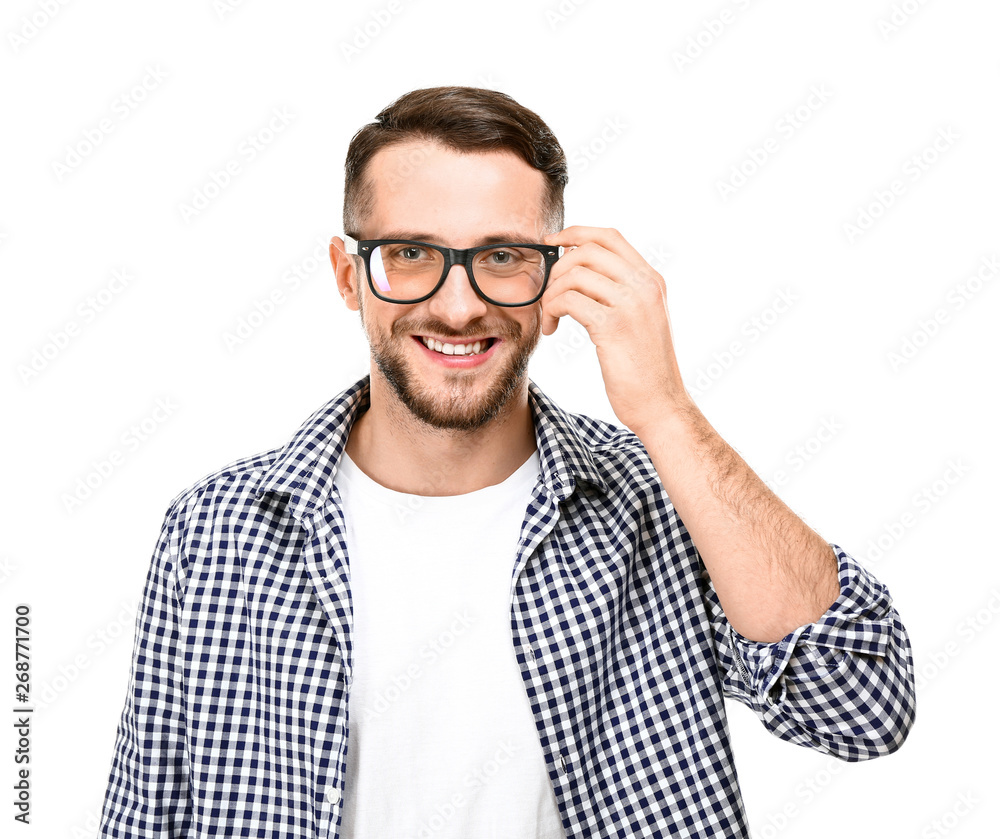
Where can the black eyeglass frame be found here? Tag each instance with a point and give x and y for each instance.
(452, 257)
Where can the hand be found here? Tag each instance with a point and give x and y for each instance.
(604, 284)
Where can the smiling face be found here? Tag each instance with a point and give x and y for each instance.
(426, 192)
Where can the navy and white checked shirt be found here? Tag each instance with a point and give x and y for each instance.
(236, 722)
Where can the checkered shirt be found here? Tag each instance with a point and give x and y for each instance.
(236, 717)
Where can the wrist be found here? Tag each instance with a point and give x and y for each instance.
(673, 417)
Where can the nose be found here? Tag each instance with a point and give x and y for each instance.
(456, 302)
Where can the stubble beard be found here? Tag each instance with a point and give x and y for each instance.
(453, 406)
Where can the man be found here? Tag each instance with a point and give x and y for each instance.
(449, 607)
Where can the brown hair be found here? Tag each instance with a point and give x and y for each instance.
(466, 119)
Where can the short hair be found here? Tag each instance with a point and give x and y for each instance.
(466, 119)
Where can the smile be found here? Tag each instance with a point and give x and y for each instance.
(472, 348)
(458, 356)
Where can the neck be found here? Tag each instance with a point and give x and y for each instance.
(390, 445)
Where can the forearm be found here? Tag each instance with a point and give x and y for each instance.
(771, 571)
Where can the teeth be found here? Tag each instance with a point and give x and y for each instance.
(455, 349)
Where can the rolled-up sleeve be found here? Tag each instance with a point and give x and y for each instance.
(843, 684)
(148, 791)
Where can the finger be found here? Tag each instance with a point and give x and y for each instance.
(583, 309)
(602, 261)
(607, 237)
(601, 288)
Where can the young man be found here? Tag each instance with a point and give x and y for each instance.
(449, 607)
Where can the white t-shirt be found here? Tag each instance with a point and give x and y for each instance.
(442, 739)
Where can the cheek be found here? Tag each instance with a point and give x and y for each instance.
(370, 322)
(533, 323)
(374, 318)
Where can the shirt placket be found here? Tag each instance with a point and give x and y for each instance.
(326, 562)
(540, 654)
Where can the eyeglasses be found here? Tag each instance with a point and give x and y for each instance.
(404, 271)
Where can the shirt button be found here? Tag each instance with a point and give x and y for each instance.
(530, 653)
(333, 795)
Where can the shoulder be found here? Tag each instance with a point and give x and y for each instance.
(618, 452)
(222, 490)
(598, 449)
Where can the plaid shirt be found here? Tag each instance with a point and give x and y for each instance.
(235, 722)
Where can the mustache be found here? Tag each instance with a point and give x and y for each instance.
(508, 329)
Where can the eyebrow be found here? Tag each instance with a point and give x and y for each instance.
(431, 239)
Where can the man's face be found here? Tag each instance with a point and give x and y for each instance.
(426, 192)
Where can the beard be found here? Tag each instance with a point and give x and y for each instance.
(455, 405)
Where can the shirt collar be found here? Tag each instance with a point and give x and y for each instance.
(306, 467)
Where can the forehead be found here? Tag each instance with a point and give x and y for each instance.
(424, 185)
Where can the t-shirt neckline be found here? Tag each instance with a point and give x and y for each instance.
(524, 475)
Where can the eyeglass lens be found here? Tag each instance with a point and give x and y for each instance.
(506, 274)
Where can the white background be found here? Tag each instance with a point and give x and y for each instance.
(654, 107)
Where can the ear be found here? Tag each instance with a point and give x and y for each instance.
(347, 270)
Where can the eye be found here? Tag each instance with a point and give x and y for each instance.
(502, 258)
(411, 253)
